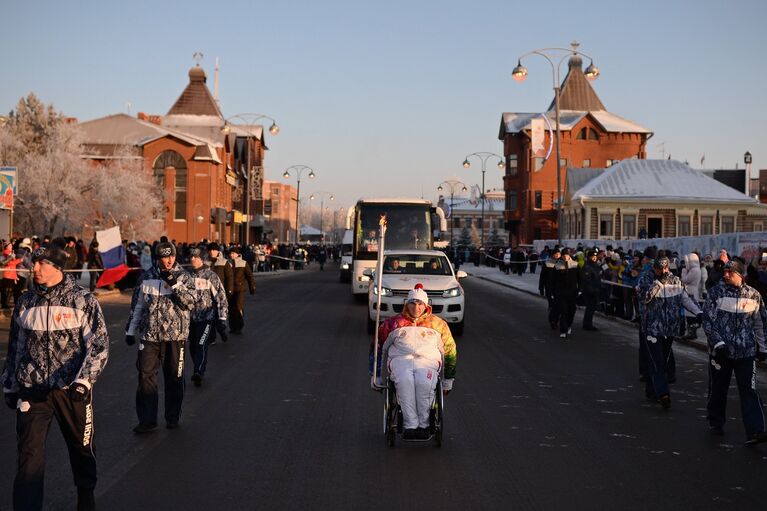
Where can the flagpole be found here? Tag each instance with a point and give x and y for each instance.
(379, 285)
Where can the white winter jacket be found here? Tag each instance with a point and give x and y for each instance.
(691, 278)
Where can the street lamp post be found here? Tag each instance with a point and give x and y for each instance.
(298, 169)
(747, 159)
(519, 73)
(245, 125)
(483, 156)
(322, 196)
(452, 184)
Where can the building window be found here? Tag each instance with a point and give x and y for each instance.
(758, 226)
(479, 222)
(606, 225)
(538, 164)
(581, 134)
(467, 222)
(456, 221)
(512, 169)
(512, 200)
(172, 159)
(587, 163)
(563, 163)
(683, 225)
(537, 233)
(728, 224)
(706, 225)
(538, 200)
(275, 191)
(629, 226)
(593, 135)
(610, 163)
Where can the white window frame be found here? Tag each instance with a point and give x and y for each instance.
(758, 226)
(600, 213)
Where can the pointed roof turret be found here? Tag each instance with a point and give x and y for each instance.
(576, 92)
(196, 98)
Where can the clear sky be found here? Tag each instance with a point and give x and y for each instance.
(387, 98)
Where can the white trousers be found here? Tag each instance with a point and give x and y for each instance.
(415, 379)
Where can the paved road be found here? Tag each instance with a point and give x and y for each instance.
(286, 420)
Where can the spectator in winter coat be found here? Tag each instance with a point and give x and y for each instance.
(690, 276)
(94, 263)
(735, 322)
(242, 279)
(221, 267)
(546, 287)
(146, 258)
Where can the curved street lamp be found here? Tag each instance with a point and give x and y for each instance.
(452, 184)
(298, 170)
(322, 196)
(483, 156)
(246, 124)
(519, 73)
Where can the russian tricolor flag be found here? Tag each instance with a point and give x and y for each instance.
(113, 256)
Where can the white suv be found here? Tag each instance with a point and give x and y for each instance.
(403, 269)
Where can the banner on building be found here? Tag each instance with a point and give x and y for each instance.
(7, 186)
(537, 137)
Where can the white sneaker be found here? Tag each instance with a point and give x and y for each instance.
(563, 336)
(569, 331)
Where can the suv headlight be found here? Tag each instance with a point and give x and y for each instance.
(385, 291)
(453, 291)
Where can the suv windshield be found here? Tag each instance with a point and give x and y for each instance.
(416, 265)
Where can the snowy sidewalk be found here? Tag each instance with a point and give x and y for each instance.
(528, 282)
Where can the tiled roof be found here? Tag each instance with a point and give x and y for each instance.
(644, 180)
(576, 92)
(196, 98)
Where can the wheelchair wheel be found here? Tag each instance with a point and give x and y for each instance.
(438, 415)
(389, 415)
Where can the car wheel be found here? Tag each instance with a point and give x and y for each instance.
(457, 328)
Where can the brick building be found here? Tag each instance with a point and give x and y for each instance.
(654, 199)
(202, 169)
(590, 136)
(279, 211)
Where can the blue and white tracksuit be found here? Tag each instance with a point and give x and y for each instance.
(735, 318)
(661, 302)
(210, 307)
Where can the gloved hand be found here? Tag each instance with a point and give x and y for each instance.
(699, 318)
(130, 340)
(719, 354)
(168, 277)
(78, 392)
(221, 329)
(11, 399)
(447, 385)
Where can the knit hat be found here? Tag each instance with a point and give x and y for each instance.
(661, 263)
(592, 252)
(165, 249)
(417, 293)
(51, 253)
(196, 252)
(26, 243)
(213, 246)
(235, 249)
(650, 252)
(735, 266)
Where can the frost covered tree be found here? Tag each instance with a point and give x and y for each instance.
(59, 192)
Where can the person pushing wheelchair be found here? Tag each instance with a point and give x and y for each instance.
(417, 345)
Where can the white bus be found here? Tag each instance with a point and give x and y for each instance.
(411, 224)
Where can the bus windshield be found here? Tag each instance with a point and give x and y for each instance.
(408, 227)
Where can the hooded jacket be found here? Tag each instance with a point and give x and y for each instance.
(691, 275)
(58, 337)
(158, 312)
(736, 318)
(427, 336)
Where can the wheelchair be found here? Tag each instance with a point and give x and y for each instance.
(392, 415)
